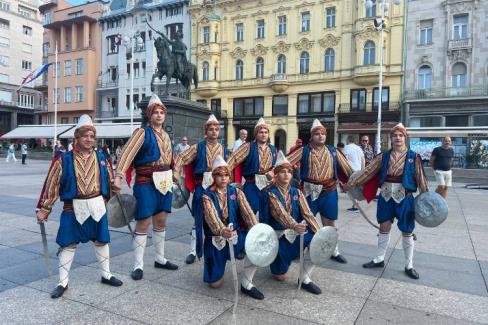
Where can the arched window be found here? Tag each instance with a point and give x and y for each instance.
(459, 73)
(304, 62)
(239, 70)
(369, 53)
(206, 70)
(329, 60)
(281, 63)
(424, 77)
(259, 68)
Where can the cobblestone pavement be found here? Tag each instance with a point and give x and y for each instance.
(452, 260)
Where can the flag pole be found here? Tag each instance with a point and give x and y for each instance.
(56, 72)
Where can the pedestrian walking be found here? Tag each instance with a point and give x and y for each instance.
(182, 146)
(441, 162)
(355, 156)
(239, 142)
(24, 152)
(367, 150)
(11, 153)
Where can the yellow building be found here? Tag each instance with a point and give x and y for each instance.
(293, 61)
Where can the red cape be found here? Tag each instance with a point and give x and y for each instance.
(190, 177)
(370, 188)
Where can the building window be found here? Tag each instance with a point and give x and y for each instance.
(27, 48)
(67, 95)
(75, 14)
(206, 70)
(358, 99)
(369, 53)
(330, 14)
(385, 98)
(113, 43)
(460, 27)
(67, 68)
(26, 30)
(259, 68)
(26, 65)
(371, 12)
(202, 101)
(216, 105)
(425, 34)
(250, 106)
(79, 66)
(64, 120)
(239, 32)
(174, 11)
(239, 70)
(171, 30)
(56, 95)
(280, 105)
(26, 100)
(57, 70)
(427, 121)
(26, 12)
(329, 60)
(281, 63)
(480, 120)
(4, 6)
(4, 23)
(206, 34)
(136, 69)
(305, 21)
(260, 28)
(4, 60)
(282, 25)
(304, 63)
(4, 77)
(457, 120)
(45, 49)
(424, 77)
(4, 42)
(79, 94)
(459, 73)
(316, 103)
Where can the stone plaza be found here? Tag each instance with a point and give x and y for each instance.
(452, 260)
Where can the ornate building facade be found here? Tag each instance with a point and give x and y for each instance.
(293, 61)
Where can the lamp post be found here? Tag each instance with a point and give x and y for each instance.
(133, 42)
(379, 24)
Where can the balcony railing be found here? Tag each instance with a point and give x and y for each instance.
(108, 84)
(19, 105)
(279, 77)
(459, 44)
(107, 114)
(368, 107)
(444, 93)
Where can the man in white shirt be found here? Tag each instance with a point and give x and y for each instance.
(240, 141)
(355, 157)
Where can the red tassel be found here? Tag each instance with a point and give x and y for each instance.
(238, 174)
(128, 175)
(190, 177)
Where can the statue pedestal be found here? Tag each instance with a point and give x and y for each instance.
(184, 117)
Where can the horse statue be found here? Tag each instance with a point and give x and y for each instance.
(166, 65)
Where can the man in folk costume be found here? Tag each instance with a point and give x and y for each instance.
(321, 167)
(224, 205)
(399, 173)
(285, 208)
(149, 150)
(81, 179)
(255, 162)
(198, 160)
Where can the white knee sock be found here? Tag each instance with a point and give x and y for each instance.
(248, 275)
(408, 251)
(103, 257)
(308, 268)
(383, 240)
(193, 243)
(336, 250)
(139, 244)
(66, 257)
(159, 237)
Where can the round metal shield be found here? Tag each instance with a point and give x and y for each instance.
(179, 197)
(430, 209)
(356, 192)
(323, 245)
(120, 210)
(261, 245)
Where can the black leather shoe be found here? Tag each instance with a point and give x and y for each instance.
(58, 291)
(312, 288)
(372, 264)
(411, 273)
(339, 258)
(253, 293)
(113, 281)
(137, 274)
(168, 265)
(190, 259)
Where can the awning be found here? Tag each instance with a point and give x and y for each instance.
(359, 128)
(36, 131)
(107, 131)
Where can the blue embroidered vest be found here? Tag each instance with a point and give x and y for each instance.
(149, 151)
(201, 158)
(250, 165)
(305, 160)
(265, 213)
(409, 179)
(232, 206)
(67, 187)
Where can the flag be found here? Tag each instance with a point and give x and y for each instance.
(34, 75)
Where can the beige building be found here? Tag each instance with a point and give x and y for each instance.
(293, 61)
(76, 32)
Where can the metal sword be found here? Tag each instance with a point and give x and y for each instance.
(47, 260)
(301, 261)
(125, 214)
(363, 214)
(234, 272)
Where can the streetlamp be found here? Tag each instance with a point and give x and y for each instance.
(133, 42)
(379, 24)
